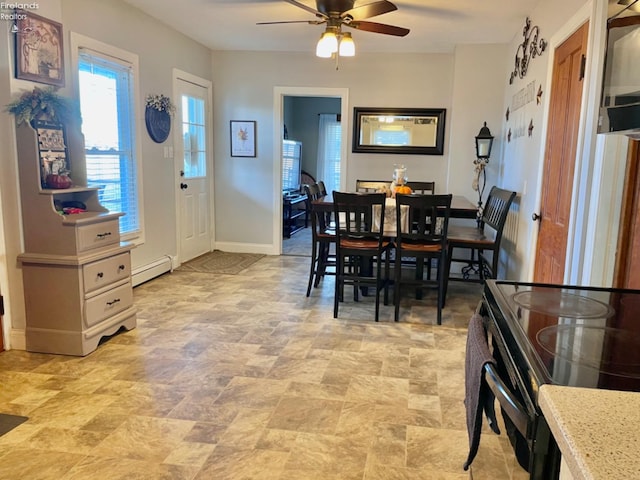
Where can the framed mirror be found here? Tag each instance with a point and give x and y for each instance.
(417, 131)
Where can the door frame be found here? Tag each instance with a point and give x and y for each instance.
(579, 254)
(279, 93)
(177, 162)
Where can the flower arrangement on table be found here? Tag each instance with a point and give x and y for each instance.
(160, 102)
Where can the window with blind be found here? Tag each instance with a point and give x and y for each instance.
(329, 147)
(108, 124)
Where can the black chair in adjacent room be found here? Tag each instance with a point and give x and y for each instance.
(362, 251)
(425, 241)
(323, 188)
(312, 191)
(485, 238)
(323, 241)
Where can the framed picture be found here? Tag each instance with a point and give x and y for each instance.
(52, 147)
(39, 51)
(243, 138)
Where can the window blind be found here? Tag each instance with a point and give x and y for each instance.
(106, 104)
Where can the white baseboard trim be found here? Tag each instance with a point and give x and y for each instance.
(151, 270)
(233, 247)
(17, 339)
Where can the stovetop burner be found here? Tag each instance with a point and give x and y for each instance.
(562, 304)
(592, 347)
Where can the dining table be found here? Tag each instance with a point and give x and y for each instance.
(461, 206)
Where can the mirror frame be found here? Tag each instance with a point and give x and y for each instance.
(436, 149)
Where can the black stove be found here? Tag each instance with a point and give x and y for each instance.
(563, 335)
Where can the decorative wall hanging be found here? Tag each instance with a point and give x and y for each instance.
(539, 95)
(157, 117)
(39, 51)
(530, 48)
(243, 138)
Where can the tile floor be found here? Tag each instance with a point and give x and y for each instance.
(243, 377)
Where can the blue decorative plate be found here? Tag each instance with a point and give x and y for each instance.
(158, 124)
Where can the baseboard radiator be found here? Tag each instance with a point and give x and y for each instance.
(151, 270)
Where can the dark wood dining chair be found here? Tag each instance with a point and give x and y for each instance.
(484, 238)
(323, 241)
(361, 248)
(371, 186)
(422, 188)
(425, 242)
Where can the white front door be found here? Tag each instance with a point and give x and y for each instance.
(192, 153)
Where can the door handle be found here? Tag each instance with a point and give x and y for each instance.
(535, 217)
(183, 186)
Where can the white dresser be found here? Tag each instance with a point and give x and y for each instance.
(76, 271)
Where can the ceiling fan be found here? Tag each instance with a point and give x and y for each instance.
(338, 13)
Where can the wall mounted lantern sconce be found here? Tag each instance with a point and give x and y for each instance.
(484, 143)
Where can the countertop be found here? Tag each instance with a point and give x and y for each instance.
(598, 431)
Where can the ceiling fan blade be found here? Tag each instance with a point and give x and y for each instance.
(307, 8)
(379, 28)
(309, 22)
(371, 10)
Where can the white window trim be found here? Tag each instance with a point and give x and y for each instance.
(79, 41)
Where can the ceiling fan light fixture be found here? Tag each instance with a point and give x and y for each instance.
(328, 44)
(347, 46)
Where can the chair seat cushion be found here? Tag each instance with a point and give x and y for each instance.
(410, 247)
(364, 243)
(468, 237)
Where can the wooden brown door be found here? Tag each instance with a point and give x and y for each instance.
(628, 257)
(560, 155)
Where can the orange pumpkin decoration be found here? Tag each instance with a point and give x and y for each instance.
(404, 189)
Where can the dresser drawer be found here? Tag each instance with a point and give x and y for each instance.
(107, 304)
(103, 272)
(98, 235)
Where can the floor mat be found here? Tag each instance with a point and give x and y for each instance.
(220, 262)
(9, 422)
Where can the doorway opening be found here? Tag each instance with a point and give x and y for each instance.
(305, 115)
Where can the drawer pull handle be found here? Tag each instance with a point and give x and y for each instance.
(100, 274)
(103, 235)
(113, 302)
(121, 267)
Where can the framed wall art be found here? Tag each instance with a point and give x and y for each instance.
(243, 138)
(52, 147)
(39, 50)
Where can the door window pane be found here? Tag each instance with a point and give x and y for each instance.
(193, 134)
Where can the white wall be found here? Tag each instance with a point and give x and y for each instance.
(243, 186)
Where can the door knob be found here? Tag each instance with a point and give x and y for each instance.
(183, 186)
(535, 217)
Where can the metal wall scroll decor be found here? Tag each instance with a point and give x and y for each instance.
(530, 48)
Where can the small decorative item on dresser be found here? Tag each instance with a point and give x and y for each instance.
(157, 116)
(58, 181)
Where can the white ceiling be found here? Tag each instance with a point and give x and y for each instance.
(436, 25)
